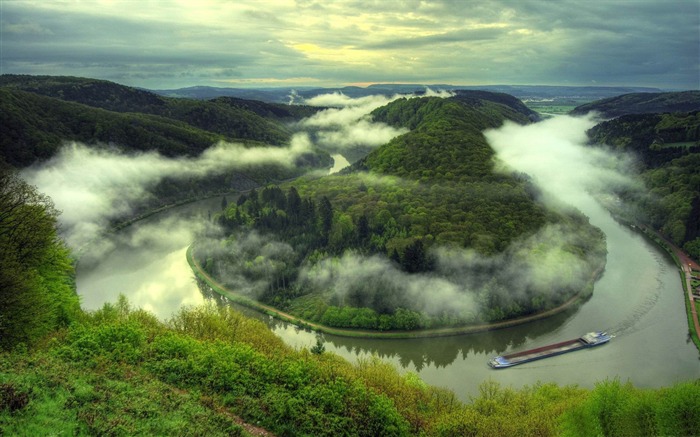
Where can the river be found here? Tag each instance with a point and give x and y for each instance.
(638, 298)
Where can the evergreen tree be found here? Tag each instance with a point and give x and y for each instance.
(325, 218)
(415, 259)
(293, 204)
(363, 230)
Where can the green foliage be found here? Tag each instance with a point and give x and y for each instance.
(119, 371)
(642, 103)
(44, 395)
(36, 279)
(616, 409)
(288, 392)
(669, 171)
(319, 347)
(693, 248)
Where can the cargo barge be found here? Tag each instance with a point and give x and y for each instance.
(586, 341)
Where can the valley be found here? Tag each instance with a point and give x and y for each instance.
(458, 214)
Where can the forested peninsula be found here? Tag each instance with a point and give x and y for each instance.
(424, 232)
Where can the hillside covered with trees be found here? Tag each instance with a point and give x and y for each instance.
(41, 114)
(342, 250)
(642, 103)
(667, 150)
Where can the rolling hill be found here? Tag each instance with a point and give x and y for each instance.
(404, 207)
(642, 103)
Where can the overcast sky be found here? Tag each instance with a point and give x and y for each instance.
(245, 43)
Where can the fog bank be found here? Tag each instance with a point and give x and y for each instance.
(92, 186)
(555, 154)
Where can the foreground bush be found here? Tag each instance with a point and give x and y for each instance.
(212, 371)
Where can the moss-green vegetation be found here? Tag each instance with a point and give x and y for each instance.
(36, 277)
(405, 207)
(210, 370)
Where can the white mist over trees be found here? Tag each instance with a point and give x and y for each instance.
(92, 186)
(554, 153)
(359, 278)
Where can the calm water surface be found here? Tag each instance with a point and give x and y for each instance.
(639, 299)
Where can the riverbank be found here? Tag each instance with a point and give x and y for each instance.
(686, 265)
(215, 286)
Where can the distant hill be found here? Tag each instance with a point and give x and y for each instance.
(232, 118)
(288, 94)
(35, 126)
(642, 103)
(455, 148)
(39, 113)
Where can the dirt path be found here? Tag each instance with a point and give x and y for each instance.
(437, 332)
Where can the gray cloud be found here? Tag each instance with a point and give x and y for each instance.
(459, 36)
(640, 42)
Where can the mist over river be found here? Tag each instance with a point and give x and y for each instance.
(638, 298)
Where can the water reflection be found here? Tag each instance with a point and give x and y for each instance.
(146, 262)
(418, 353)
(638, 296)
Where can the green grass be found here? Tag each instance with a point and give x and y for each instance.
(41, 394)
(119, 371)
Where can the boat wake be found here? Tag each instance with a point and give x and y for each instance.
(630, 324)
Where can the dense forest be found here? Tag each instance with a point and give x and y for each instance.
(642, 103)
(209, 370)
(404, 214)
(41, 114)
(667, 148)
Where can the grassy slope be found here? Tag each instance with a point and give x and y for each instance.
(120, 372)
